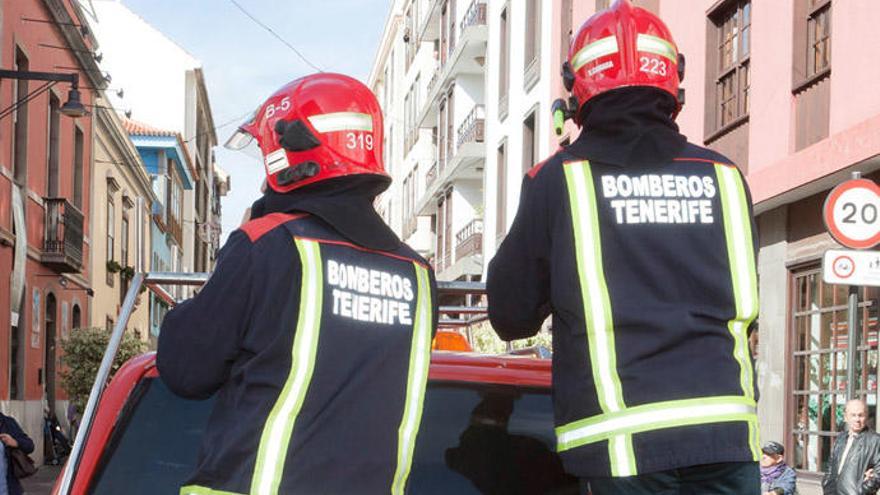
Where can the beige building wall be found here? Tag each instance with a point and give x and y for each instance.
(121, 194)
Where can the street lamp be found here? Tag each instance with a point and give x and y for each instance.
(73, 107)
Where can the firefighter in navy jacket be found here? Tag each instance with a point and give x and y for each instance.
(642, 248)
(314, 331)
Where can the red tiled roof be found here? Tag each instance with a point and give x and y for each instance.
(140, 129)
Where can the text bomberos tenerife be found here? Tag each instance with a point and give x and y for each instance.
(368, 295)
(660, 199)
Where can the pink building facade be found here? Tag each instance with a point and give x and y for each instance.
(787, 89)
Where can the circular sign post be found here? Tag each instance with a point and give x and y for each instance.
(852, 213)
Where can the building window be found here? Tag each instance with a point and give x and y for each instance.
(532, 43)
(20, 122)
(410, 114)
(602, 4)
(111, 237)
(123, 257)
(409, 35)
(504, 63)
(732, 26)
(530, 142)
(566, 29)
(819, 37)
(54, 146)
(501, 191)
(818, 364)
(76, 317)
(77, 167)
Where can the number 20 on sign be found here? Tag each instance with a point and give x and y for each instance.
(852, 213)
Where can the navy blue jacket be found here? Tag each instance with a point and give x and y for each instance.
(10, 426)
(642, 250)
(316, 349)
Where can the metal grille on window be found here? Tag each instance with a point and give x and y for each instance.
(818, 364)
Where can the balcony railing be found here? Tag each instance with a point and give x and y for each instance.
(473, 129)
(434, 79)
(469, 240)
(63, 236)
(431, 175)
(475, 16)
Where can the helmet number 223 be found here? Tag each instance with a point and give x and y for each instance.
(355, 140)
(652, 65)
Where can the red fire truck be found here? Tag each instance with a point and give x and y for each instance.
(487, 425)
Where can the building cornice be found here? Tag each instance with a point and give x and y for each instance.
(75, 40)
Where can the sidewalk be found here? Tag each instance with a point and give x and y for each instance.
(42, 482)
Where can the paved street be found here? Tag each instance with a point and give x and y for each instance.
(42, 482)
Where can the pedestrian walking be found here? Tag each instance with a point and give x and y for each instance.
(641, 246)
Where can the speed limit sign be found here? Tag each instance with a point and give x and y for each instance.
(852, 213)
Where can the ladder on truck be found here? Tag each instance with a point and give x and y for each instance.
(460, 318)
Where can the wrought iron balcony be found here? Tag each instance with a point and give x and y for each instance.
(473, 129)
(63, 236)
(469, 240)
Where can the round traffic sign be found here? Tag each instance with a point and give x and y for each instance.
(852, 213)
(843, 266)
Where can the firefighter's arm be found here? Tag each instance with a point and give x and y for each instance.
(518, 279)
(200, 337)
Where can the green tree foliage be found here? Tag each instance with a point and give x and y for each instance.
(83, 351)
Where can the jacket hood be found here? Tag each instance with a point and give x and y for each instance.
(346, 203)
(629, 127)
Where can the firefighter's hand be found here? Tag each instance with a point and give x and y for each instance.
(8, 440)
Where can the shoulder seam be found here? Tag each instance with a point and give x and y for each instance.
(257, 228)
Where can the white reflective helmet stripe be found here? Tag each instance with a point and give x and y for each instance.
(599, 48)
(651, 417)
(342, 121)
(743, 273)
(420, 356)
(597, 305)
(278, 430)
(659, 46)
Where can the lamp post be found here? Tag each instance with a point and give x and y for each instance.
(73, 107)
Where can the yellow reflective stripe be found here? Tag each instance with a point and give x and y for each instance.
(420, 356)
(599, 48)
(203, 490)
(656, 416)
(278, 430)
(659, 46)
(597, 305)
(743, 273)
(342, 121)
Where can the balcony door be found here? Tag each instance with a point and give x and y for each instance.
(49, 363)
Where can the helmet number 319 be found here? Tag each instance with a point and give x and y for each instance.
(355, 140)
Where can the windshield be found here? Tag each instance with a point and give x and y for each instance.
(474, 439)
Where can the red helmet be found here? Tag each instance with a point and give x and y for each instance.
(316, 128)
(619, 47)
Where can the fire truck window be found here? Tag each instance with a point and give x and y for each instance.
(154, 449)
(487, 440)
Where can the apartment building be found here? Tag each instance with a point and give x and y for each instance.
(784, 88)
(164, 88)
(46, 158)
(430, 77)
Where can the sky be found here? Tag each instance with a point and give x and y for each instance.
(243, 63)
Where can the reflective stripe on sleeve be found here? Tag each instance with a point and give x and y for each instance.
(599, 48)
(278, 429)
(203, 490)
(658, 46)
(743, 274)
(342, 121)
(420, 356)
(597, 306)
(655, 416)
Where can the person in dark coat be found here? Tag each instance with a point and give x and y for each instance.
(777, 477)
(13, 437)
(855, 452)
